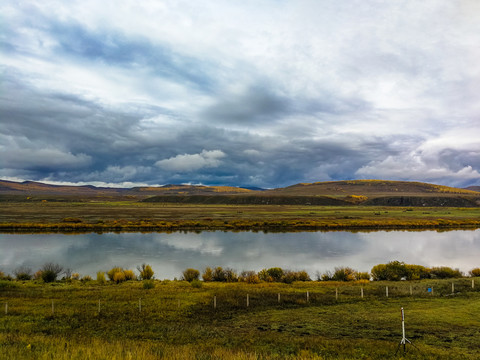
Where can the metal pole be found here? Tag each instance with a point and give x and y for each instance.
(403, 330)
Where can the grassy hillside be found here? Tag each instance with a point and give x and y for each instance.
(334, 193)
(371, 188)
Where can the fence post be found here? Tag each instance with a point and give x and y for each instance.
(453, 288)
(140, 305)
(279, 298)
(6, 308)
(308, 297)
(411, 290)
(386, 291)
(361, 291)
(248, 301)
(99, 308)
(336, 293)
(53, 309)
(473, 284)
(215, 301)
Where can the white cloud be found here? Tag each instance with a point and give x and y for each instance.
(192, 162)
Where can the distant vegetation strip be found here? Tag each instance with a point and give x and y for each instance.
(77, 225)
(248, 200)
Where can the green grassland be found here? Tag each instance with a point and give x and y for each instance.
(176, 320)
(141, 216)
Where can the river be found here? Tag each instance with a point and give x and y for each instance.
(170, 253)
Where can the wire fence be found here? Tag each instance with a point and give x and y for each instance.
(105, 303)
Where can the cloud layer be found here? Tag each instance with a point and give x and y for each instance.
(262, 93)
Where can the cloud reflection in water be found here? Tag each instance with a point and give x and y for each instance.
(170, 254)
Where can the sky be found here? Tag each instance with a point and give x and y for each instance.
(264, 93)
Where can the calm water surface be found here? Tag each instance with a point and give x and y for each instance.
(170, 254)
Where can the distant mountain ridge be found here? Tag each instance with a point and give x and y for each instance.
(330, 193)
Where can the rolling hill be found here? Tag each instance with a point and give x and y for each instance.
(331, 193)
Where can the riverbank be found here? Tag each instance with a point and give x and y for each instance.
(175, 320)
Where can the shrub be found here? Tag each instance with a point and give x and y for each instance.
(86, 278)
(111, 273)
(23, 273)
(76, 276)
(218, 274)
(119, 277)
(230, 275)
(344, 274)
(250, 277)
(191, 275)
(363, 276)
(207, 274)
(264, 276)
(148, 284)
(50, 272)
(326, 276)
(393, 271)
(475, 272)
(276, 273)
(417, 272)
(129, 275)
(37, 275)
(302, 276)
(101, 277)
(445, 272)
(146, 272)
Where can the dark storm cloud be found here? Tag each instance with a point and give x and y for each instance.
(121, 92)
